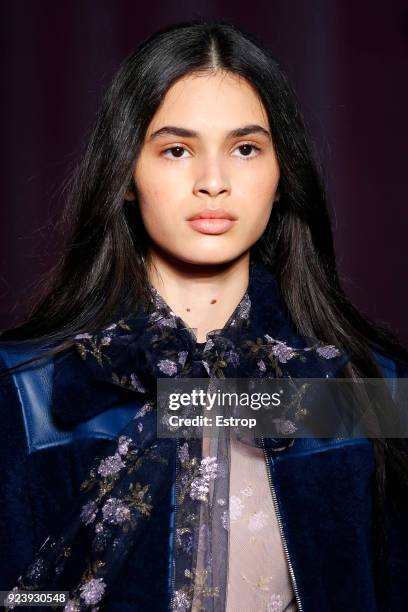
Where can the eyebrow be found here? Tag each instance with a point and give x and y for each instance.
(246, 130)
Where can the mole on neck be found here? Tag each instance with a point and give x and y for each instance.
(212, 302)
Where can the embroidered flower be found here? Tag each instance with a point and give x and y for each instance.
(282, 351)
(257, 521)
(167, 366)
(200, 486)
(275, 603)
(71, 606)
(328, 352)
(236, 507)
(136, 384)
(88, 512)
(183, 453)
(115, 511)
(199, 489)
(181, 602)
(111, 465)
(123, 444)
(147, 407)
(208, 467)
(184, 541)
(261, 365)
(248, 491)
(92, 591)
(225, 520)
(36, 568)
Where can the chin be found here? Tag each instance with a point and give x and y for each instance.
(211, 260)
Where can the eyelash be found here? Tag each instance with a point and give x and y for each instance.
(245, 158)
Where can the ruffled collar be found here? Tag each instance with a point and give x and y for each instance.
(121, 363)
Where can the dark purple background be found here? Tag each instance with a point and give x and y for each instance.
(347, 61)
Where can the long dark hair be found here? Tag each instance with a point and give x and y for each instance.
(103, 267)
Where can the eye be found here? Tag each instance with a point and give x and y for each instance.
(247, 146)
(178, 149)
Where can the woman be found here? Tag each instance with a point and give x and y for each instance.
(200, 247)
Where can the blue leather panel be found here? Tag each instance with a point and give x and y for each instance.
(33, 386)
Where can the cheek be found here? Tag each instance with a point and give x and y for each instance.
(155, 204)
(257, 198)
(260, 180)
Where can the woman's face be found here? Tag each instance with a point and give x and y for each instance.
(208, 149)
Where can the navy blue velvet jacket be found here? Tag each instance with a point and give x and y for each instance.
(323, 488)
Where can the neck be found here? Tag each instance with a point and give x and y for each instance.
(203, 295)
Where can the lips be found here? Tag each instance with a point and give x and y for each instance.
(219, 213)
(214, 222)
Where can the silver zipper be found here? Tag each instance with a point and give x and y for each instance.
(285, 545)
(175, 527)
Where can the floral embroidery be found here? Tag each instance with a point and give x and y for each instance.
(88, 513)
(328, 352)
(167, 366)
(257, 521)
(147, 407)
(183, 453)
(123, 444)
(115, 511)
(136, 384)
(282, 351)
(181, 602)
(236, 507)
(123, 487)
(71, 606)
(248, 491)
(198, 588)
(275, 603)
(92, 591)
(272, 602)
(110, 465)
(200, 486)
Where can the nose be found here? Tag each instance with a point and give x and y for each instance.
(212, 179)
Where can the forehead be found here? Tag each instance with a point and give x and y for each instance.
(218, 101)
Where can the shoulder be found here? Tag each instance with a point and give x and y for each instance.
(28, 395)
(24, 392)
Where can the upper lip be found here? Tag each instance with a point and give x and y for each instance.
(209, 213)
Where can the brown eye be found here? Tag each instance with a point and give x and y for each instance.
(246, 148)
(176, 152)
